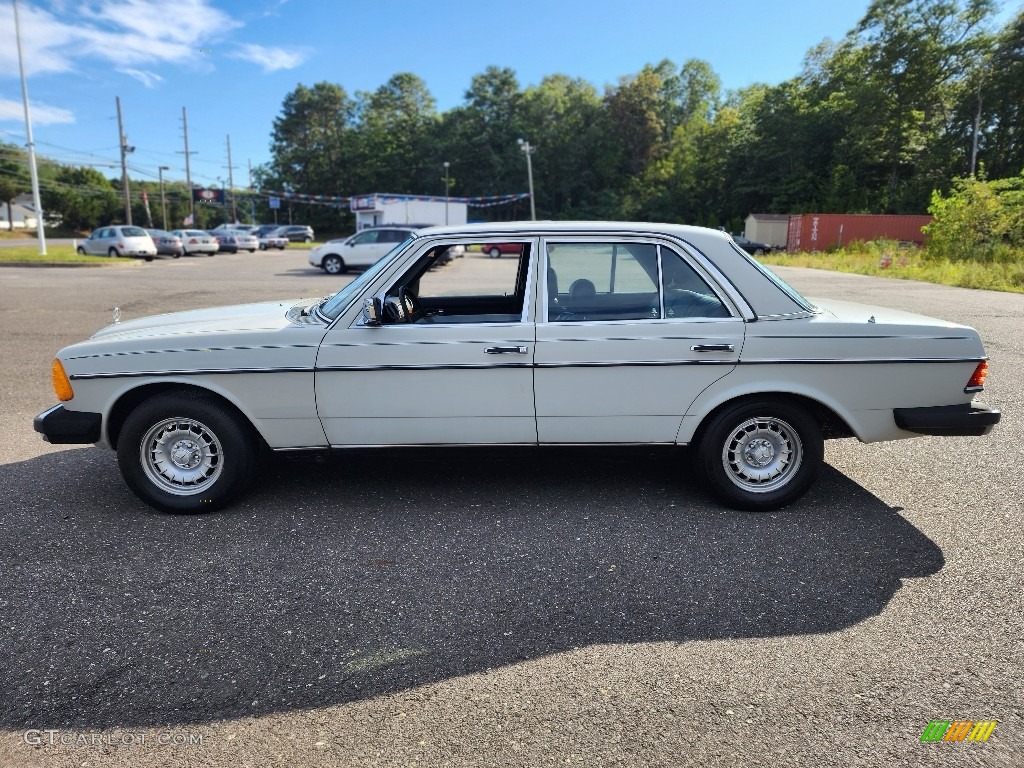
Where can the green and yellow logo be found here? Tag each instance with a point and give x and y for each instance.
(958, 730)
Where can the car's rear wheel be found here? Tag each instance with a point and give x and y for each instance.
(112, 253)
(494, 253)
(333, 264)
(760, 455)
(186, 453)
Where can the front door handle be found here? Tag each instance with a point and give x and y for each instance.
(507, 350)
(712, 348)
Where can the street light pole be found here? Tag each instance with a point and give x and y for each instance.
(446, 164)
(36, 203)
(163, 199)
(529, 149)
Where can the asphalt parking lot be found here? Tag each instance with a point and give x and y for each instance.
(492, 608)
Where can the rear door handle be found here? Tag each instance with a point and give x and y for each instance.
(712, 348)
(507, 350)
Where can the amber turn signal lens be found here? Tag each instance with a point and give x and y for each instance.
(61, 382)
(978, 379)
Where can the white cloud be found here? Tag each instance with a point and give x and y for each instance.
(270, 59)
(148, 79)
(126, 33)
(42, 114)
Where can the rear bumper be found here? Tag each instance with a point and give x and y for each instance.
(964, 420)
(63, 427)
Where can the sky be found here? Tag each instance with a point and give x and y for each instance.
(232, 62)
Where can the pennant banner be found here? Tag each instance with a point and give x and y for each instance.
(485, 201)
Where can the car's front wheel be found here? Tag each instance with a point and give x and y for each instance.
(333, 264)
(81, 251)
(494, 253)
(760, 455)
(185, 453)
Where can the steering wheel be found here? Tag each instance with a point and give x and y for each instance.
(403, 308)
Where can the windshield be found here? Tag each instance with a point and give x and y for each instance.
(340, 301)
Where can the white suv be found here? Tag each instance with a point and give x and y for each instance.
(359, 250)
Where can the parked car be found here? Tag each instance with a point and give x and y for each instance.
(599, 333)
(248, 228)
(495, 250)
(119, 241)
(751, 247)
(359, 250)
(196, 241)
(265, 229)
(230, 241)
(166, 243)
(270, 240)
(296, 234)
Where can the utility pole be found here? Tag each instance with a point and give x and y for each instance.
(446, 164)
(188, 172)
(529, 149)
(125, 149)
(231, 184)
(163, 199)
(252, 202)
(36, 203)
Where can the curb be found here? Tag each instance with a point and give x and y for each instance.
(66, 264)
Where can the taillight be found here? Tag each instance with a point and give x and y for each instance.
(977, 380)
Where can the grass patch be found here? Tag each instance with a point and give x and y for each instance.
(886, 259)
(55, 254)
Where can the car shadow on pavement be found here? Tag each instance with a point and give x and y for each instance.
(350, 578)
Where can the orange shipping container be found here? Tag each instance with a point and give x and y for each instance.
(821, 231)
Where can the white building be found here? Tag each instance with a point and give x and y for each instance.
(378, 208)
(22, 211)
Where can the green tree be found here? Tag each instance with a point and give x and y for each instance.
(83, 197)
(978, 221)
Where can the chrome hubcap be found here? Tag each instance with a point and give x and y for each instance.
(181, 456)
(762, 454)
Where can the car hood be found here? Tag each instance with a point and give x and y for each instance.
(265, 316)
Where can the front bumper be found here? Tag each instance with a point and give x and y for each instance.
(964, 420)
(63, 427)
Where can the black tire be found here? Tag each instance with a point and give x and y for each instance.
(760, 455)
(333, 264)
(177, 255)
(112, 253)
(494, 252)
(251, 250)
(307, 239)
(149, 258)
(167, 433)
(263, 246)
(81, 251)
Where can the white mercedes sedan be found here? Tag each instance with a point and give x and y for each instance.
(590, 334)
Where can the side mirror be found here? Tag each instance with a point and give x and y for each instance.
(371, 312)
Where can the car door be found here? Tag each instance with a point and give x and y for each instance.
(455, 370)
(96, 243)
(631, 334)
(366, 248)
